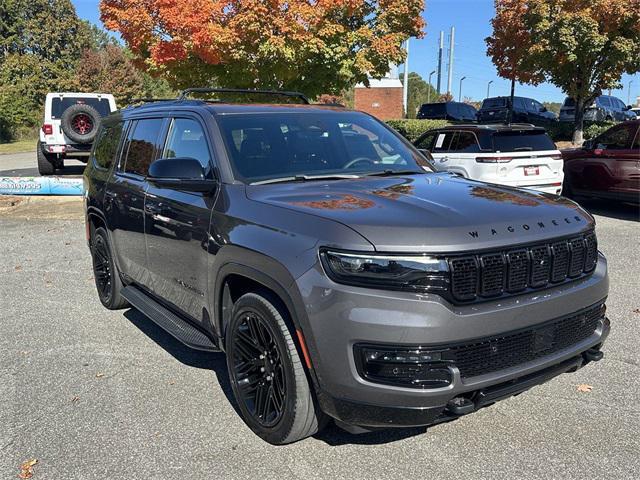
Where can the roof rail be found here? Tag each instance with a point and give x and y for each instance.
(146, 100)
(185, 93)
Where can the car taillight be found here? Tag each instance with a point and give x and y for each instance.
(493, 159)
(47, 128)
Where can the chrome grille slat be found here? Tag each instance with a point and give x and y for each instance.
(491, 274)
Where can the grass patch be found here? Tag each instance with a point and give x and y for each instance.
(26, 145)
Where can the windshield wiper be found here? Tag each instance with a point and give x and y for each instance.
(389, 172)
(306, 178)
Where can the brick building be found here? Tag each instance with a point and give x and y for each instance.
(383, 98)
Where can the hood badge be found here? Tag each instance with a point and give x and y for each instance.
(526, 227)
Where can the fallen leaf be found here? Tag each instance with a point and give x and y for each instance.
(67, 243)
(172, 382)
(18, 268)
(584, 388)
(26, 469)
(636, 310)
(99, 375)
(75, 398)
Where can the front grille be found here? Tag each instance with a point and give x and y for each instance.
(491, 354)
(497, 273)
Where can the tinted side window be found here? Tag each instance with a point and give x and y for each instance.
(443, 141)
(616, 139)
(466, 143)
(604, 102)
(519, 104)
(186, 139)
(141, 145)
(426, 142)
(106, 146)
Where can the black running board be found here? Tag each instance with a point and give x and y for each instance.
(180, 329)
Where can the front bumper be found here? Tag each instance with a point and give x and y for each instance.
(340, 317)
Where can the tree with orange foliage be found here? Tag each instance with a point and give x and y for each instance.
(582, 46)
(320, 46)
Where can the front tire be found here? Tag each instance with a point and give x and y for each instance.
(267, 376)
(105, 272)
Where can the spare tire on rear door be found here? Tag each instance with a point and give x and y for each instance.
(80, 123)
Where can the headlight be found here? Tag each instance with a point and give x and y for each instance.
(419, 273)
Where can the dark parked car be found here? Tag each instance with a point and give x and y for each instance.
(341, 276)
(525, 110)
(453, 111)
(607, 166)
(604, 108)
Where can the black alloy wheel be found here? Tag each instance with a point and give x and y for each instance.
(102, 269)
(259, 374)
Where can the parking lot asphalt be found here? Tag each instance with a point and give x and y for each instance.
(91, 393)
(25, 165)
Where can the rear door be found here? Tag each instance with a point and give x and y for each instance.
(177, 224)
(462, 155)
(124, 197)
(440, 149)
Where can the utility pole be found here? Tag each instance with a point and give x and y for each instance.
(460, 91)
(629, 93)
(440, 61)
(405, 93)
(488, 85)
(451, 40)
(430, 87)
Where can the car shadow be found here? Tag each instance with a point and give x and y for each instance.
(610, 208)
(215, 361)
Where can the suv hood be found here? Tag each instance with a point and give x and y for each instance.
(431, 212)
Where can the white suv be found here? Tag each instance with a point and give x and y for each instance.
(71, 122)
(517, 155)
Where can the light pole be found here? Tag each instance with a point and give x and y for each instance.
(429, 89)
(489, 85)
(629, 93)
(460, 90)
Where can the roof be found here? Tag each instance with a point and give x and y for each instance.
(228, 108)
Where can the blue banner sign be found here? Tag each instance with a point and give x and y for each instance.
(40, 186)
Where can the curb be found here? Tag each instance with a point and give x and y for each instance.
(40, 186)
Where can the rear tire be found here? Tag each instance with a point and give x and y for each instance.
(105, 272)
(45, 161)
(267, 376)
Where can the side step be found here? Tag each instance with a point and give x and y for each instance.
(180, 329)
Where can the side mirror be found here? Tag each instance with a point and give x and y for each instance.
(180, 174)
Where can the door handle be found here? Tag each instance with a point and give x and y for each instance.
(444, 159)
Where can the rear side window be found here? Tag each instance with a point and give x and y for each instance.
(426, 142)
(442, 142)
(59, 105)
(106, 146)
(616, 139)
(465, 142)
(186, 139)
(569, 102)
(604, 102)
(522, 141)
(519, 103)
(141, 145)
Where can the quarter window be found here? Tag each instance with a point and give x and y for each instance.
(141, 145)
(107, 145)
(186, 139)
(466, 143)
(426, 142)
(617, 139)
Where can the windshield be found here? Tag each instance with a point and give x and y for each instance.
(59, 105)
(522, 141)
(280, 144)
(494, 103)
(433, 109)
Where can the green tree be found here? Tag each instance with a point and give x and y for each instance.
(419, 92)
(553, 107)
(582, 46)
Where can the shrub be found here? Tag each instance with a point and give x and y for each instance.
(563, 131)
(411, 129)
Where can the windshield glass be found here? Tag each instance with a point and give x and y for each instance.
(281, 144)
(59, 105)
(494, 103)
(522, 141)
(433, 109)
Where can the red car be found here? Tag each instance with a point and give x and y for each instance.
(607, 166)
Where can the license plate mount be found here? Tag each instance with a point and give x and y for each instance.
(530, 171)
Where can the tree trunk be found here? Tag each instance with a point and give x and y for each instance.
(579, 121)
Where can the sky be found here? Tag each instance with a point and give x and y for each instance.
(471, 20)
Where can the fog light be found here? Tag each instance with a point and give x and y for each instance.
(418, 368)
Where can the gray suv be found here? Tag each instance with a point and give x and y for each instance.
(603, 108)
(341, 276)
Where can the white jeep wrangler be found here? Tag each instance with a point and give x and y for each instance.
(71, 122)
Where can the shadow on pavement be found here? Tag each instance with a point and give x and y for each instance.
(610, 208)
(332, 435)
